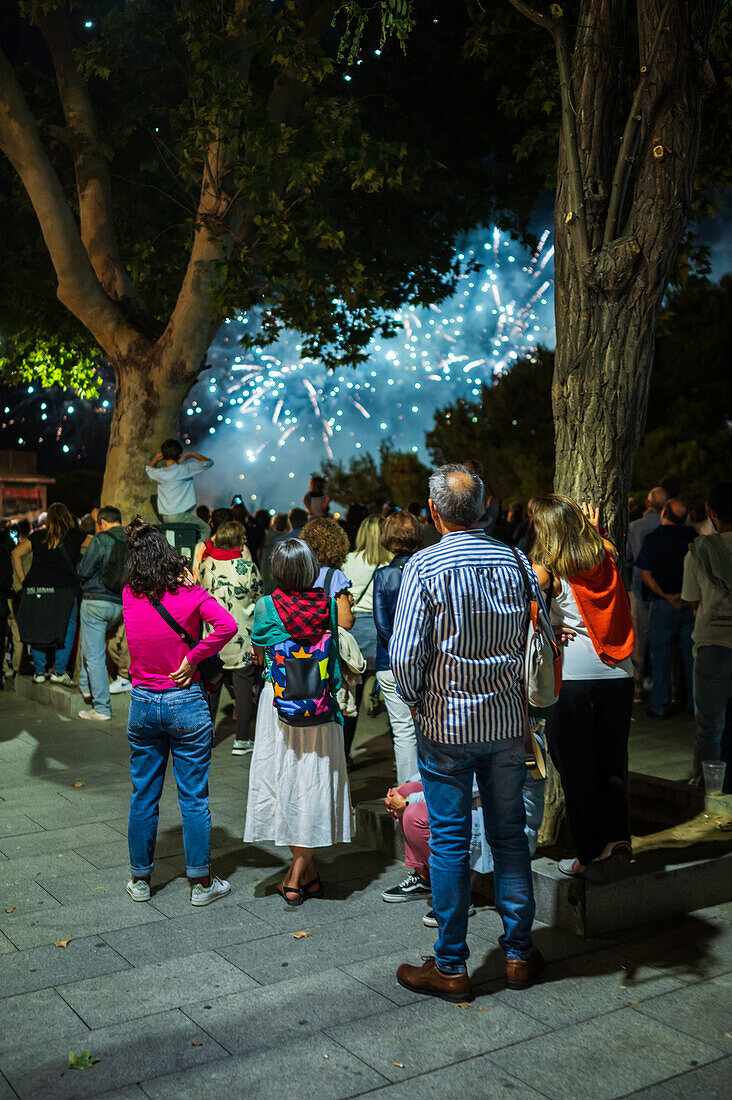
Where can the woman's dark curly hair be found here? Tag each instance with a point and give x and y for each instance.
(328, 540)
(154, 567)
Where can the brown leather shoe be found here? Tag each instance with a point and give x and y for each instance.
(429, 980)
(521, 973)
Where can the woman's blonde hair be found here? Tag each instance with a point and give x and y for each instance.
(58, 521)
(368, 542)
(231, 535)
(565, 542)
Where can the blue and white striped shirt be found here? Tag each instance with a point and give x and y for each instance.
(459, 639)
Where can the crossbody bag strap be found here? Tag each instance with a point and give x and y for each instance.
(524, 576)
(173, 623)
(358, 601)
(326, 581)
(67, 558)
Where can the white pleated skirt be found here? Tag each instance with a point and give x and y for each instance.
(298, 782)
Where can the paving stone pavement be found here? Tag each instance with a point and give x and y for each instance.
(225, 1001)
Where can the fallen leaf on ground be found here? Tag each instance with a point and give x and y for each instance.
(79, 782)
(83, 1060)
(480, 1008)
(632, 1002)
(301, 935)
(62, 943)
(11, 909)
(196, 1043)
(98, 887)
(463, 1004)
(399, 1065)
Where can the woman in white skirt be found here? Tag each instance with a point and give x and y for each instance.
(298, 783)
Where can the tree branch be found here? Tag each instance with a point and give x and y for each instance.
(631, 134)
(535, 16)
(78, 287)
(576, 218)
(90, 167)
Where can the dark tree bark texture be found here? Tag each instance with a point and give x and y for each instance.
(620, 216)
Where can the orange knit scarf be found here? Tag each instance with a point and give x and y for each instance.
(603, 605)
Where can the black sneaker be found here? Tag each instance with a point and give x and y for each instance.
(429, 920)
(408, 889)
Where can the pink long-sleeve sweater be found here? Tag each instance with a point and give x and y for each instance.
(156, 650)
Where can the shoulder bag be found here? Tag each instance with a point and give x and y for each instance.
(543, 662)
(211, 668)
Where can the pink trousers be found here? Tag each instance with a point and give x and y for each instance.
(416, 829)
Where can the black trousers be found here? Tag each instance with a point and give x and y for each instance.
(587, 736)
(241, 682)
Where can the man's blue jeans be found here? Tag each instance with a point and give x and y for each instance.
(668, 628)
(97, 617)
(447, 779)
(50, 658)
(176, 722)
(712, 695)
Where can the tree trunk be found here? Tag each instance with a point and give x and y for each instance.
(607, 298)
(600, 392)
(146, 411)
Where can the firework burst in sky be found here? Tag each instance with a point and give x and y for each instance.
(270, 417)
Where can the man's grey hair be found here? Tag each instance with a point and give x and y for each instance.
(457, 494)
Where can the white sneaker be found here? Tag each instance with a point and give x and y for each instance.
(204, 895)
(94, 716)
(241, 748)
(37, 679)
(138, 891)
(119, 685)
(64, 679)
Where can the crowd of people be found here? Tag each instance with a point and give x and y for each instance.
(291, 611)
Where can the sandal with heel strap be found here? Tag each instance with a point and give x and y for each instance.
(317, 892)
(283, 891)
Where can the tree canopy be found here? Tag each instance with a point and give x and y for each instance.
(342, 190)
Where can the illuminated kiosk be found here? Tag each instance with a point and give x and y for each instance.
(22, 490)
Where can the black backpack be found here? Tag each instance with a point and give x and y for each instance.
(115, 571)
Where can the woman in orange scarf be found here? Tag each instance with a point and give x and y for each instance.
(587, 730)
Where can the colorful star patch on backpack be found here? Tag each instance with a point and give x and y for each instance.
(302, 688)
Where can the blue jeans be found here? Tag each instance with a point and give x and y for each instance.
(176, 722)
(668, 628)
(447, 780)
(97, 616)
(712, 696)
(48, 658)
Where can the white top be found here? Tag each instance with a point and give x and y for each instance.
(176, 493)
(580, 660)
(713, 624)
(359, 572)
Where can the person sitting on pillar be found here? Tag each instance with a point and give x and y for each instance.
(174, 472)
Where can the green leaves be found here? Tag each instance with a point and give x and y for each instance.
(83, 1060)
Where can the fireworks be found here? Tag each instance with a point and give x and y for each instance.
(269, 417)
(268, 405)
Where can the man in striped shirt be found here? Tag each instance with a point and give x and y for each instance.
(457, 655)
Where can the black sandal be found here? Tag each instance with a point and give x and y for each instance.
(283, 891)
(317, 892)
(611, 868)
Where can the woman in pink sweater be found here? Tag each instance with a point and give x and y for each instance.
(168, 708)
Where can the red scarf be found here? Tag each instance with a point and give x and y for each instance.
(211, 551)
(603, 605)
(305, 615)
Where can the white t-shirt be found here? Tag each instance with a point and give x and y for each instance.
(360, 573)
(175, 485)
(580, 660)
(713, 624)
